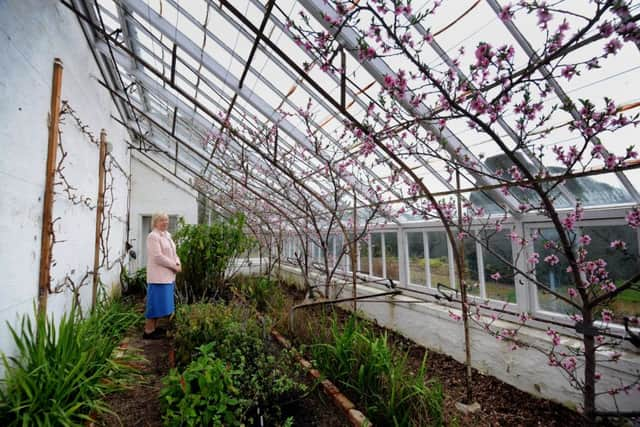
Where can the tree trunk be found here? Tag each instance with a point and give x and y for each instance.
(589, 394)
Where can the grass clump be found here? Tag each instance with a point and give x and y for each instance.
(364, 362)
(59, 374)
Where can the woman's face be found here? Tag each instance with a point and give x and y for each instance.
(162, 223)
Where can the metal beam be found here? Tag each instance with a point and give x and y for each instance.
(379, 69)
(557, 89)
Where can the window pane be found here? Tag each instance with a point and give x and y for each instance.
(501, 286)
(391, 255)
(173, 223)
(621, 264)
(331, 251)
(438, 258)
(339, 252)
(364, 255)
(376, 254)
(554, 276)
(415, 243)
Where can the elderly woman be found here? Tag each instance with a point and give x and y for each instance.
(162, 265)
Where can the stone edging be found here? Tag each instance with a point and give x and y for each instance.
(357, 418)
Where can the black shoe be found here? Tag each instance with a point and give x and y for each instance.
(155, 335)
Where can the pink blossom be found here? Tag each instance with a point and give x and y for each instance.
(606, 29)
(544, 16)
(618, 244)
(389, 81)
(612, 47)
(555, 337)
(568, 72)
(551, 259)
(585, 239)
(569, 364)
(455, 316)
(496, 275)
(572, 292)
(633, 218)
(534, 258)
(607, 316)
(506, 14)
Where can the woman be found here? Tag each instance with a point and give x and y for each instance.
(162, 265)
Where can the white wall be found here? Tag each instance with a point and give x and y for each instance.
(151, 192)
(32, 34)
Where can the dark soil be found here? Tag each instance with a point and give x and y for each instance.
(501, 404)
(140, 404)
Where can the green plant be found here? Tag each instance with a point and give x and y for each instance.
(58, 375)
(234, 335)
(364, 362)
(262, 291)
(198, 324)
(208, 253)
(204, 394)
(135, 284)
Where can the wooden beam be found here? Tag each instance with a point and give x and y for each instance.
(99, 211)
(47, 224)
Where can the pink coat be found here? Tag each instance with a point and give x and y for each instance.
(162, 259)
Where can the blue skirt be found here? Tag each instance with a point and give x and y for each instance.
(159, 300)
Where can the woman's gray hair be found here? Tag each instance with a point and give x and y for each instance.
(156, 216)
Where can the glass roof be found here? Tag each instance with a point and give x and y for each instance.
(240, 116)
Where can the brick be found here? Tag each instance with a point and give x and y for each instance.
(329, 388)
(358, 419)
(315, 373)
(343, 402)
(305, 363)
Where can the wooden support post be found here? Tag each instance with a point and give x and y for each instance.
(47, 224)
(99, 211)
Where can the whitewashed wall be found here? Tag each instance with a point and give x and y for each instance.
(151, 192)
(32, 34)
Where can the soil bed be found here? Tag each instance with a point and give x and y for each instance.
(501, 404)
(140, 404)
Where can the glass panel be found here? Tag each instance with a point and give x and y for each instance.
(376, 254)
(415, 245)
(339, 255)
(621, 264)
(331, 249)
(498, 276)
(471, 276)
(364, 255)
(438, 258)
(391, 255)
(554, 276)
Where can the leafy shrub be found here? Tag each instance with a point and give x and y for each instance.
(135, 284)
(234, 335)
(359, 360)
(204, 394)
(57, 378)
(208, 253)
(262, 291)
(198, 324)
